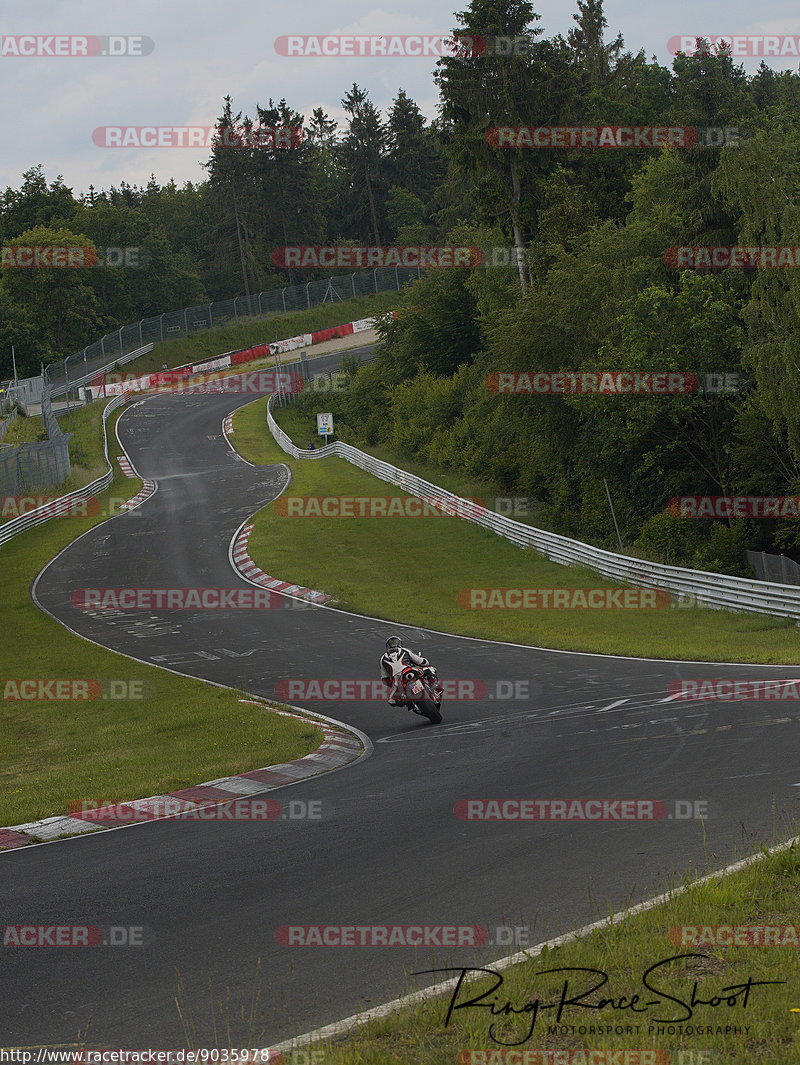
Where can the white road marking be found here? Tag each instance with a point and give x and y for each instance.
(611, 706)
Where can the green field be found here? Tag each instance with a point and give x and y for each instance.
(179, 733)
(413, 569)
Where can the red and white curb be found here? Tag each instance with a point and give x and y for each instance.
(247, 568)
(337, 750)
(148, 488)
(227, 424)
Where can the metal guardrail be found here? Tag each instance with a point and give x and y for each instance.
(62, 505)
(716, 590)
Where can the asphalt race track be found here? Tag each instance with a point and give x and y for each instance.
(388, 849)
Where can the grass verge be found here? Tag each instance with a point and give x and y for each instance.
(180, 732)
(762, 895)
(301, 425)
(412, 569)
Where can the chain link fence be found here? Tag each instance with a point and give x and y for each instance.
(6, 423)
(38, 465)
(63, 505)
(46, 463)
(62, 376)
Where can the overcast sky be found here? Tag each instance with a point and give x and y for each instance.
(204, 51)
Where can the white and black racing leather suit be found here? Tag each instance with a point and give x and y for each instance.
(392, 665)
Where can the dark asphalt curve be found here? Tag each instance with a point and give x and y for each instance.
(388, 849)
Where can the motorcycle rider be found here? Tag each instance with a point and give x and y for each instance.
(395, 658)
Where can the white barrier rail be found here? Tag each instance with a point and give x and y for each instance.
(64, 504)
(716, 590)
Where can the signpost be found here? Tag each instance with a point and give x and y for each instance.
(325, 424)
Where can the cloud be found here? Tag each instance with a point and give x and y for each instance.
(203, 53)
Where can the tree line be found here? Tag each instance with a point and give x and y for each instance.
(211, 240)
(593, 286)
(597, 288)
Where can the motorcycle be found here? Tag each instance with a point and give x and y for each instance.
(421, 691)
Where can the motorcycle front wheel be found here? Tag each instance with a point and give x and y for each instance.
(430, 710)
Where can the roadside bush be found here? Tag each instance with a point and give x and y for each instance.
(670, 540)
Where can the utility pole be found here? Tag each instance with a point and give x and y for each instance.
(613, 515)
